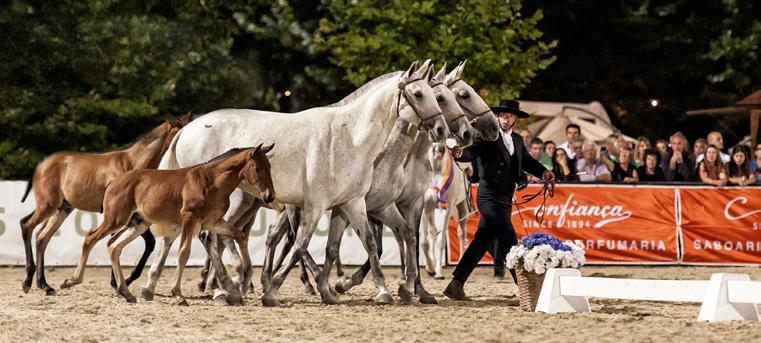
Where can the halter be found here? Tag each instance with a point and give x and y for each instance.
(469, 110)
(449, 121)
(402, 86)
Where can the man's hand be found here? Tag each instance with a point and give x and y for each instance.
(469, 171)
(457, 152)
(676, 158)
(549, 176)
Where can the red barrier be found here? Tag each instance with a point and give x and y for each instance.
(721, 226)
(618, 224)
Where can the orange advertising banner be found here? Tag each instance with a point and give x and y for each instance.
(618, 224)
(721, 225)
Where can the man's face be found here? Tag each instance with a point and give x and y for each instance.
(677, 144)
(571, 133)
(589, 153)
(526, 137)
(576, 147)
(716, 139)
(506, 120)
(699, 148)
(536, 151)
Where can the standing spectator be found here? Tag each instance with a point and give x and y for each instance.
(739, 167)
(651, 171)
(642, 144)
(572, 132)
(712, 171)
(662, 146)
(699, 148)
(549, 149)
(563, 168)
(624, 170)
(756, 163)
(678, 165)
(594, 168)
(715, 138)
(537, 152)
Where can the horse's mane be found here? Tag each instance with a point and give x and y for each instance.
(365, 88)
(150, 136)
(225, 155)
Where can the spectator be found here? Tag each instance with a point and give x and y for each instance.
(563, 168)
(609, 151)
(537, 152)
(549, 149)
(576, 146)
(624, 170)
(699, 148)
(662, 146)
(651, 170)
(738, 168)
(527, 138)
(642, 144)
(717, 140)
(593, 167)
(572, 132)
(678, 166)
(712, 171)
(755, 164)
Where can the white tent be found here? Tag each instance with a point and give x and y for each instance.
(553, 117)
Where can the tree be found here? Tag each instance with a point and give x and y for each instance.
(503, 47)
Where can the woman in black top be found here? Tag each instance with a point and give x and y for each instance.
(563, 168)
(651, 171)
(624, 171)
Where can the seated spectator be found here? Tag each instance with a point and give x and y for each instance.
(663, 147)
(594, 169)
(572, 133)
(536, 150)
(624, 170)
(575, 154)
(711, 170)
(642, 144)
(651, 171)
(699, 149)
(755, 164)
(609, 150)
(549, 149)
(563, 168)
(678, 166)
(717, 140)
(738, 168)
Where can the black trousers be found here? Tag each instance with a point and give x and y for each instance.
(494, 224)
(499, 252)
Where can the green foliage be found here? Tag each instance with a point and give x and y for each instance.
(503, 48)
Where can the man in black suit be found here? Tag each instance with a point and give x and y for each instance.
(500, 164)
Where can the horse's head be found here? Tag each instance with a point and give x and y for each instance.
(172, 126)
(458, 123)
(420, 103)
(257, 172)
(436, 157)
(475, 108)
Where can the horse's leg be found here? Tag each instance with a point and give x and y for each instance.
(150, 244)
(149, 289)
(28, 223)
(331, 252)
(43, 238)
(275, 233)
(136, 228)
(309, 217)
(440, 244)
(340, 222)
(462, 224)
(392, 218)
(203, 236)
(428, 226)
(412, 213)
(223, 280)
(189, 227)
(356, 211)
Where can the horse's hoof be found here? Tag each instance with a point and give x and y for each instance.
(220, 299)
(234, 300)
(67, 284)
(270, 301)
(25, 287)
(339, 287)
(333, 291)
(405, 295)
(330, 300)
(384, 299)
(430, 273)
(131, 299)
(201, 286)
(310, 290)
(50, 291)
(438, 277)
(428, 299)
(181, 302)
(146, 294)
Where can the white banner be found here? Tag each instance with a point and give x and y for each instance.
(66, 246)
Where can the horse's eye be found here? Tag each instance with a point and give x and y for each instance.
(418, 94)
(464, 95)
(439, 97)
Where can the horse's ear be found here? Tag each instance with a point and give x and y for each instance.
(458, 70)
(423, 70)
(256, 150)
(268, 148)
(441, 74)
(186, 119)
(411, 70)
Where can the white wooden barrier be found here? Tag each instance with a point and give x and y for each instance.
(724, 297)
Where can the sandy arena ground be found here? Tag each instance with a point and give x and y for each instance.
(91, 313)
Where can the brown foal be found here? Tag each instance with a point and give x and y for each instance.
(68, 180)
(191, 197)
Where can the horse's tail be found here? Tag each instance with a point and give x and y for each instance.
(28, 188)
(169, 160)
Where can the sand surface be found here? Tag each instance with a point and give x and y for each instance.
(91, 313)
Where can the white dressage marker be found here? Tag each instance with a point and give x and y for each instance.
(724, 297)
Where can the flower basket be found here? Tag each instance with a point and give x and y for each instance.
(533, 256)
(529, 287)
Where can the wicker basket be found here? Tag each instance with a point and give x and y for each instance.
(529, 287)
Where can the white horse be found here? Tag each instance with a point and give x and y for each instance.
(446, 190)
(325, 155)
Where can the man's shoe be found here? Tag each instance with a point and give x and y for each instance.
(499, 276)
(454, 291)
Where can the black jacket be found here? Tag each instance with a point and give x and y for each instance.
(493, 164)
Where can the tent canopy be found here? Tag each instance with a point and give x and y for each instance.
(553, 117)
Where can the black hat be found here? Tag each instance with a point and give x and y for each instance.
(510, 106)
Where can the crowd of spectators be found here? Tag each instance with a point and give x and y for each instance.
(618, 160)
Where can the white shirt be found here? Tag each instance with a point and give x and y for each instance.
(724, 157)
(568, 151)
(507, 138)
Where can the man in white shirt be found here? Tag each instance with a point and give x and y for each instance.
(572, 132)
(591, 168)
(716, 139)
